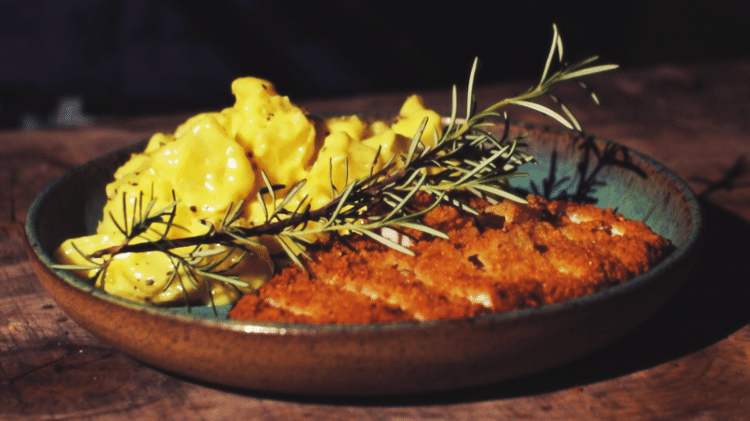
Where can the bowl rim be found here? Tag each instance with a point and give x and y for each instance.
(670, 263)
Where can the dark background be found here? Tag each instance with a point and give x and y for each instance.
(143, 56)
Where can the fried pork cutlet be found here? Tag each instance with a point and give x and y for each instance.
(509, 257)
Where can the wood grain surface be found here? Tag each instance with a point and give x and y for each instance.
(691, 361)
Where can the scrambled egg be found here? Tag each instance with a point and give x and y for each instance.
(212, 162)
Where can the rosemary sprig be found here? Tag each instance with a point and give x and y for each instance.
(466, 157)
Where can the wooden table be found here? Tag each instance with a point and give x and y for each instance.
(690, 361)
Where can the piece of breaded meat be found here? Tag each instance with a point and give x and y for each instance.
(511, 256)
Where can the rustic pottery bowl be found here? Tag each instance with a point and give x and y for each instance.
(386, 358)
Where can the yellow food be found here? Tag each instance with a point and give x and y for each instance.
(214, 161)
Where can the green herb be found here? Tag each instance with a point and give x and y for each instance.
(467, 157)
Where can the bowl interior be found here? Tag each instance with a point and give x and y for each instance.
(607, 174)
(567, 167)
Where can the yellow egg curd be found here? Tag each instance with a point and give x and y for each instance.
(213, 162)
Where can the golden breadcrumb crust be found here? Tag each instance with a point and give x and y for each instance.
(509, 257)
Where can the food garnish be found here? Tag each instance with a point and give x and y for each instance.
(200, 215)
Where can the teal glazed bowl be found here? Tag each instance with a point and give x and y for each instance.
(376, 359)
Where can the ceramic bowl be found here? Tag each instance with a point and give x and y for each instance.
(386, 358)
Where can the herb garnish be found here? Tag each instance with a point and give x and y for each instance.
(466, 158)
